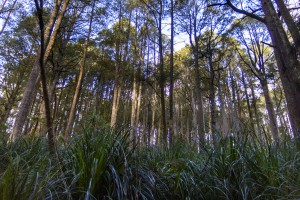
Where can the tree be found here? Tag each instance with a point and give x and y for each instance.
(39, 8)
(171, 98)
(192, 20)
(259, 56)
(286, 52)
(81, 76)
(50, 33)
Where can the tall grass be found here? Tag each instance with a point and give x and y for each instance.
(104, 165)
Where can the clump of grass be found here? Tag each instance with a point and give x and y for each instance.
(98, 164)
(27, 171)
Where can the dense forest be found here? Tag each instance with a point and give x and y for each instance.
(149, 99)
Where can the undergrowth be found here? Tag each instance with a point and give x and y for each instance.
(104, 165)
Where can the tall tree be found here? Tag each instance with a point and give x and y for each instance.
(286, 52)
(192, 20)
(50, 33)
(259, 55)
(171, 100)
(40, 8)
(81, 76)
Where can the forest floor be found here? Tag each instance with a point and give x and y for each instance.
(102, 165)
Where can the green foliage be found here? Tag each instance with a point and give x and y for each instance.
(99, 166)
(27, 171)
(104, 165)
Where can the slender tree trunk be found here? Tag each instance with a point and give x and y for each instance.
(154, 111)
(121, 60)
(51, 140)
(30, 89)
(162, 76)
(171, 102)
(8, 15)
(195, 48)
(224, 118)
(29, 124)
(81, 76)
(133, 108)
(270, 110)
(57, 70)
(212, 96)
(116, 101)
(235, 118)
(248, 103)
(257, 118)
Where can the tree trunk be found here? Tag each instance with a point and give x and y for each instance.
(171, 102)
(34, 75)
(291, 24)
(51, 140)
(270, 110)
(248, 104)
(81, 76)
(8, 15)
(257, 118)
(212, 96)
(235, 119)
(162, 76)
(224, 119)
(133, 109)
(288, 64)
(200, 114)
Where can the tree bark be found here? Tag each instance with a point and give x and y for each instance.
(51, 140)
(171, 98)
(288, 63)
(257, 118)
(162, 76)
(248, 103)
(270, 110)
(224, 118)
(81, 76)
(235, 119)
(30, 89)
(291, 24)
(212, 96)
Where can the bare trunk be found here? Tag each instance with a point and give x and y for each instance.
(162, 77)
(248, 103)
(212, 96)
(51, 139)
(235, 118)
(200, 114)
(133, 109)
(171, 102)
(291, 24)
(29, 92)
(116, 101)
(270, 110)
(81, 76)
(288, 64)
(257, 118)
(224, 117)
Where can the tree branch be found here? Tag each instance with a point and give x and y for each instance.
(252, 15)
(270, 45)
